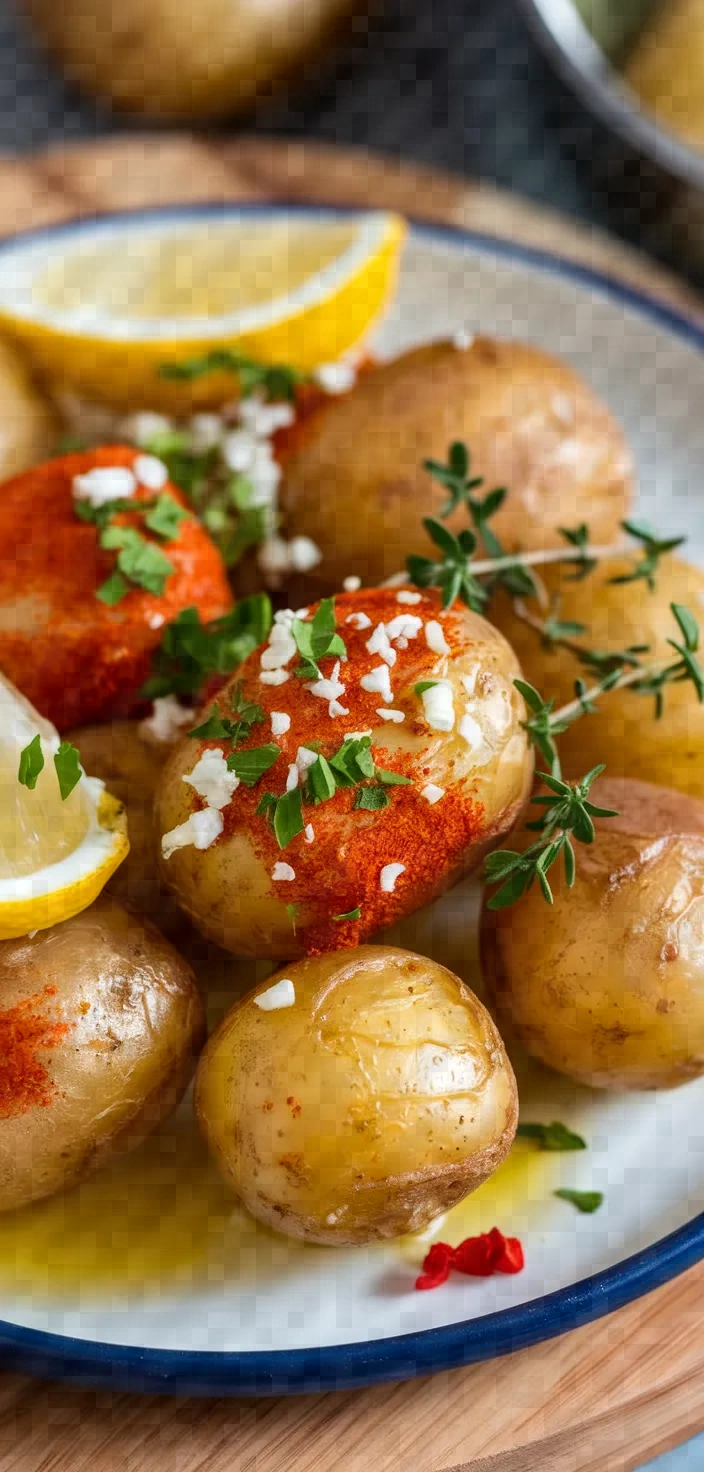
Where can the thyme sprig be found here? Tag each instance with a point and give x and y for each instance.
(567, 814)
(567, 809)
(460, 574)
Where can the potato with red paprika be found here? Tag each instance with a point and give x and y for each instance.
(356, 1096)
(607, 983)
(100, 1026)
(326, 796)
(97, 553)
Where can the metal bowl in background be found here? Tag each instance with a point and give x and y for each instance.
(662, 174)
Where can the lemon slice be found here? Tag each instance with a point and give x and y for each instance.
(55, 856)
(100, 305)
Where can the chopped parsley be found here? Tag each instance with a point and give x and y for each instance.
(555, 1136)
(372, 798)
(31, 763)
(317, 639)
(355, 914)
(424, 685)
(285, 814)
(141, 562)
(585, 1201)
(352, 766)
(165, 517)
(191, 651)
(277, 381)
(66, 761)
(251, 764)
(68, 768)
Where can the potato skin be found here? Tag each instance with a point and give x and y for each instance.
(357, 487)
(131, 767)
(224, 55)
(377, 1101)
(228, 889)
(117, 1022)
(623, 733)
(607, 984)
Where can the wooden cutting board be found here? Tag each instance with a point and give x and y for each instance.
(605, 1398)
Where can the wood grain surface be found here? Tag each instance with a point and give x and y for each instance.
(604, 1398)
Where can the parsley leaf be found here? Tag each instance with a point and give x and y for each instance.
(251, 764)
(372, 798)
(288, 817)
(213, 728)
(165, 517)
(317, 639)
(137, 559)
(585, 1201)
(113, 590)
(321, 783)
(31, 763)
(191, 651)
(68, 768)
(555, 1136)
(276, 380)
(355, 914)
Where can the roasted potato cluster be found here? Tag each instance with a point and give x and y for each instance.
(357, 483)
(356, 1095)
(607, 983)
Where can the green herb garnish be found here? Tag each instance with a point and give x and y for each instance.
(285, 813)
(66, 761)
(317, 639)
(277, 381)
(68, 768)
(141, 562)
(586, 1201)
(349, 915)
(372, 798)
(31, 763)
(251, 764)
(165, 517)
(555, 1136)
(191, 651)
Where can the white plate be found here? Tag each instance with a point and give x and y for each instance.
(151, 1256)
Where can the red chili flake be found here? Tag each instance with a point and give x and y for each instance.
(477, 1257)
(436, 1266)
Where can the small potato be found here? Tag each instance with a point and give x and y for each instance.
(131, 767)
(28, 426)
(77, 657)
(357, 487)
(100, 1024)
(360, 859)
(623, 733)
(607, 984)
(373, 1103)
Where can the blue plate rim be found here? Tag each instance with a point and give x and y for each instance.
(405, 1356)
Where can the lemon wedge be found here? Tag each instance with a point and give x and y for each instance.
(55, 856)
(99, 306)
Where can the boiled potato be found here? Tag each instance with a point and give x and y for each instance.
(130, 765)
(183, 61)
(354, 869)
(357, 487)
(624, 732)
(607, 984)
(100, 1023)
(28, 426)
(374, 1096)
